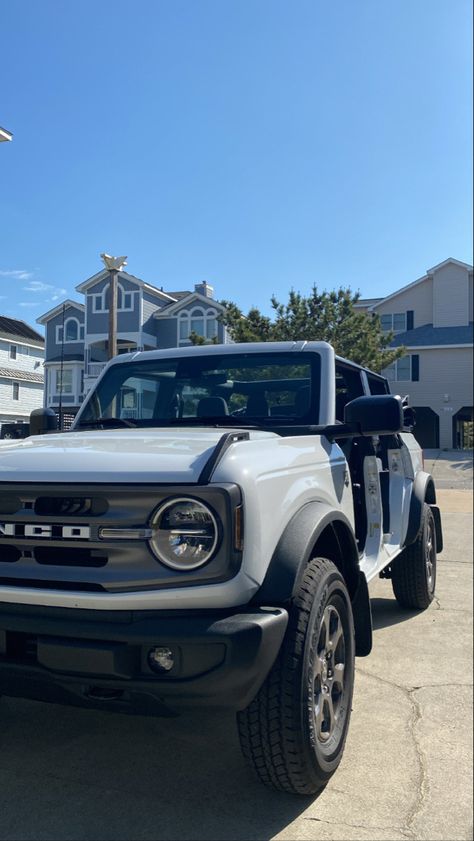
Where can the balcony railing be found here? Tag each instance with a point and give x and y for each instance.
(93, 369)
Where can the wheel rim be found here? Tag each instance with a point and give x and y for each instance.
(329, 668)
(429, 554)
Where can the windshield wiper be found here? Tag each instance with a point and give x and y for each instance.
(108, 422)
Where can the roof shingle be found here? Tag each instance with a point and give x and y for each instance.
(24, 376)
(427, 335)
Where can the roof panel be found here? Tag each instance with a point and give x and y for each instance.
(14, 327)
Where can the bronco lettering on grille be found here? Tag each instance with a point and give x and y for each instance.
(33, 530)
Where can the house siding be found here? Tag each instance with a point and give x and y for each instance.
(27, 358)
(167, 332)
(445, 385)
(128, 321)
(450, 296)
(53, 348)
(471, 298)
(150, 305)
(30, 397)
(419, 299)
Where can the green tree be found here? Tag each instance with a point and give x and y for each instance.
(196, 339)
(320, 316)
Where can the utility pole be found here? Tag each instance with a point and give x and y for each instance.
(112, 349)
(61, 375)
(114, 266)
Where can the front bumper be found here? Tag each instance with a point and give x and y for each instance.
(99, 659)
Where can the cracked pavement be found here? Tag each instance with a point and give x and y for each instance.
(406, 771)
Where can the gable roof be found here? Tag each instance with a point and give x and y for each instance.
(445, 263)
(429, 336)
(68, 303)
(427, 276)
(185, 301)
(15, 328)
(104, 275)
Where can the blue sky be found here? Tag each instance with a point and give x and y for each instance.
(260, 145)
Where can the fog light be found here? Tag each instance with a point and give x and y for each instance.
(160, 659)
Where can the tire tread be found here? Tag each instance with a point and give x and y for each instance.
(409, 581)
(269, 729)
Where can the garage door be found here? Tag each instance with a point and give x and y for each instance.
(426, 430)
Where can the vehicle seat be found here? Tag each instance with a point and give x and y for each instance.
(210, 407)
(302, 401)
(341, 400)
(257, 406)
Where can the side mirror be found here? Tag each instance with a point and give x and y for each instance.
(381, 414)
(43, 420)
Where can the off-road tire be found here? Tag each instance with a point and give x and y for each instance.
(414, 571)
(282, 731)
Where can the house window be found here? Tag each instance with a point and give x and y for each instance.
(64, 386)
(13, 351)
(73, 331)
(396, 322)
(405, 369)
(16, 391)
(199, 321)
(399, 322)
(100, 302)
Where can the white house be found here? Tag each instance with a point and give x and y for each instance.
(21, 370)
(432, 317)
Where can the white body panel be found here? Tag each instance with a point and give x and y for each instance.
(116, 455)
(277, 476)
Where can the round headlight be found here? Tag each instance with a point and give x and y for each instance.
(184, 533)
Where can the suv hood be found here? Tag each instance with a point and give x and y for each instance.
(118, 455)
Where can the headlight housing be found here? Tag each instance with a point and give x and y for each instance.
(185, 533)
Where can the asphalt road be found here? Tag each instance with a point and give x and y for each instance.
(406, 771)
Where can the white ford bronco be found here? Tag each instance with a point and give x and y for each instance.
(205, 534)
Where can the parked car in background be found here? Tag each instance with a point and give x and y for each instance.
(15, 430)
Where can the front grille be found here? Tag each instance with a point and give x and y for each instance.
(52, 556)
(9, 554)
(41, 584)
(49, 537)
(70, 506)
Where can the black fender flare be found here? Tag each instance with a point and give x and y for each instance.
(423, 491)
(296, 548)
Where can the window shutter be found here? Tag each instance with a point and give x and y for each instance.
(410, 319)
(415, 367)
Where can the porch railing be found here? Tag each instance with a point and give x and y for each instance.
(93, 369)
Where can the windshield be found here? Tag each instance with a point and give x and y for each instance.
(264, 389)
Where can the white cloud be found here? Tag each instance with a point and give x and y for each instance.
(54, 292)
(59, 293)
(37, 286)
(28, 303)
(17, 274)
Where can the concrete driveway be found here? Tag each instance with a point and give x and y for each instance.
(406, 772)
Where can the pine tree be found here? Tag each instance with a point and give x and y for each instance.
(321, 316)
